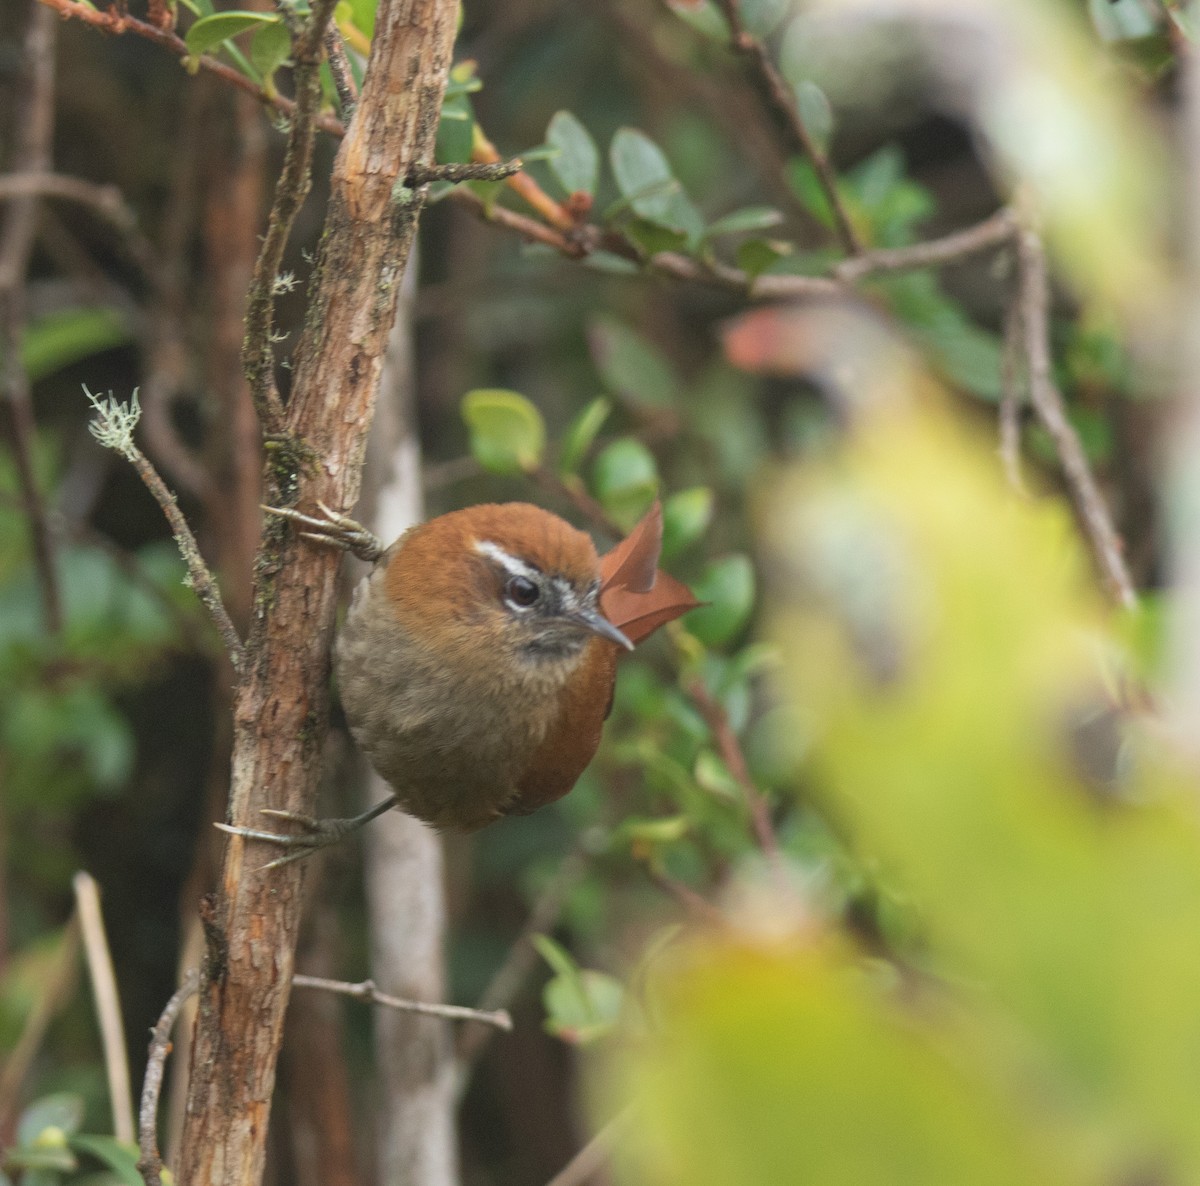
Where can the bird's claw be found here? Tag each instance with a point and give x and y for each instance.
(314, 835)
(335, 530)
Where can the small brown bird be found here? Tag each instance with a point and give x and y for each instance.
(478, 659)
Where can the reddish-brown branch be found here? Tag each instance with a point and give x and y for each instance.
(281, 712)
(730, 749)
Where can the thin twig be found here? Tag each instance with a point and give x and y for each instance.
(594, 1155)
(113, 22)
(994, 231)
(1047, 400)
(1011, 397)
(520, 961)
(730, 749)
(339, 68)
(470, 171)
(108, 1004)
(258, 351)
(105, 200)
(52, 994)
(580, 499)
(150, 1163)
(366, 991)
(32, 130)
(780, 98)
(113, 428)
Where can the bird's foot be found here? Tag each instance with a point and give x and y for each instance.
(314, 834)
(334, 530)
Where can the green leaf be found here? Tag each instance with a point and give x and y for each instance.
(70, 335)
(644, 177)
(625, 480)
(581, 1005)
(270, 48)
(577, 163)
(1124, 20)
(815, 111)
(210, 31)
(61, 1112)
(120, 1158)
(456, 131)
(728, 586)
(755, 256)
(508, 434)
(686, 516)
(762, 17)
(582, 433)
(630, 366)
(703, 16)
(744, 221)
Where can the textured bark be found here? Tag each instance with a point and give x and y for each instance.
(281, 710)
(405, 898)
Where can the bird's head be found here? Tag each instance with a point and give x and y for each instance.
(511, 578)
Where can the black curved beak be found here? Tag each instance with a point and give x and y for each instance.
(595, 621)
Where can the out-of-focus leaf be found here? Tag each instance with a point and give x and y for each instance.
(728, 586)
(1122, 20)
(270, 48)
(644, 177)
(577, 162)
(61, 1113)
(508, 434)
(456, 130)
(775, 1064)
(686, 516)
(703, 16)
(762, 17)
(744, 221)
(69, 336)
(631, 366)
(121, 1159)
(581, 1005)
(1026, 73)
(582, 433)
(755, 256)
(210, 31)
(625, 480)
(815, 111)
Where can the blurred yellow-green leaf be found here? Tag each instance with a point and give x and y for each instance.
(508, 434)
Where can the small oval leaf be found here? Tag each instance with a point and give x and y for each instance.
(508, 434)
(728, 586)
(210, 31)
(579, 437)
(576, 163)
(625, 480)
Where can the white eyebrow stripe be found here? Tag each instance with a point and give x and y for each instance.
(511, 564)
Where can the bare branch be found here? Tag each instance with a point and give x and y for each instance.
(258, 352)
(1048, 403)
(992, 232)
(113, 428)
(108, 1004)
(339, 68)
(366, 991)
(150, 1163)
(594, 1155)
(1011, 396)
(778, 97)
(31, 130)
(53, 995)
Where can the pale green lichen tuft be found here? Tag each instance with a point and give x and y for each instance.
(114, 422)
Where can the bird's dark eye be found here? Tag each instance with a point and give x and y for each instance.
(522, 591)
